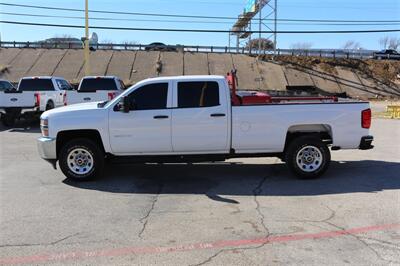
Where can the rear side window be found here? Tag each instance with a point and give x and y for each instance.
(198, 94)
(149, 97)
(36, 85)
(97, 84)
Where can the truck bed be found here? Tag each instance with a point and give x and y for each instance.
(265, 127)
(74, 97)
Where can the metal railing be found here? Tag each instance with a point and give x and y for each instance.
(327, 53)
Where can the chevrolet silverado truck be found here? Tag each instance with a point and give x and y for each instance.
(200, 118)
(32, 96)
(95, 89)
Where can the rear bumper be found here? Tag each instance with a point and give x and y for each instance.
(366, 143)
(18, 110)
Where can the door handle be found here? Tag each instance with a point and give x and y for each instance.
(160, 117)
(217, 115)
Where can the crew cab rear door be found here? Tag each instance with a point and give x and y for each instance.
(146, 128)
(200, 117)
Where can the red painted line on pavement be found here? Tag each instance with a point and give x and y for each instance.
(43, 258)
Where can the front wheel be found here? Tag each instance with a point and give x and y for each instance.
(307, 157)
(81, 160)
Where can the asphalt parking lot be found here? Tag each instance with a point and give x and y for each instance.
(241, 212)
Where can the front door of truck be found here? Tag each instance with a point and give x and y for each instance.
(146, 128)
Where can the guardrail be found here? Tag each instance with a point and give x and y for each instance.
(327, 53)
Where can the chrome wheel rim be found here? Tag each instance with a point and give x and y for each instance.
(309, 159)
(80, 161)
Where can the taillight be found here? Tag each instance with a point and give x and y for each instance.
(65, 99)
(366, 116)
(37, 99)
(111, 95)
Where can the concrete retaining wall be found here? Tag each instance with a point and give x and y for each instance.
(133, 66)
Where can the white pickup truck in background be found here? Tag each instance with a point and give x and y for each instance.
(95, 89)
(33, 95)
(200, 118)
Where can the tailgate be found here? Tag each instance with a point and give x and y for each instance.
(74, 97)
(17, 99)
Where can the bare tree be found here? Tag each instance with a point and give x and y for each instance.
(266, 44)
(384, 42)
(351, 45)
(106, 44)
(127, 43)
(301, 45)
(394, 43)
(390, 42)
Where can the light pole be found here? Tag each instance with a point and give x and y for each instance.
(86, 48)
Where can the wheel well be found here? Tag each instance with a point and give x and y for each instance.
(323, 132)
(64, 136)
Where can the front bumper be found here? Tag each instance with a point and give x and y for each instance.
(366, 143)
(47, 148)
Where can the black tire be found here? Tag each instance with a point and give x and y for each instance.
(94, 155)
(8, 120)
(49, 105)
(314, 157)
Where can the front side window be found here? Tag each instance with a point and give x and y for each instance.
(4, 85)
(63, 84)
(149, 97)
(198, 94)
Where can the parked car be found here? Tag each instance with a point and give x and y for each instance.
(5, 85)
(33, 96)
(387, 54)
(159, 46)
(200, 118)
(95, 89)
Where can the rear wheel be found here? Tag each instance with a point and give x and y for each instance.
(8, 120)
(49, 105)
(81, 160)
(307, 157)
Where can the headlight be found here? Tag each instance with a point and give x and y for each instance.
(44, 127)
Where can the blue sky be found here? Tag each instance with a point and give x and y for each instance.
(288, 9)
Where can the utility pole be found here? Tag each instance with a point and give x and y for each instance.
(86, 48)
(275, 24)
(259, 32)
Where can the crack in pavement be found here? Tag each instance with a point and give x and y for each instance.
(256, 192)
(367, 245)
(358, 238)
(39, 244)
(144, 220)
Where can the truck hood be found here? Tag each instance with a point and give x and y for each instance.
(71, 108)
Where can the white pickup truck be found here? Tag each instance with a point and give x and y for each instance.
(33, 95)
(194, 118)
(95, 89)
